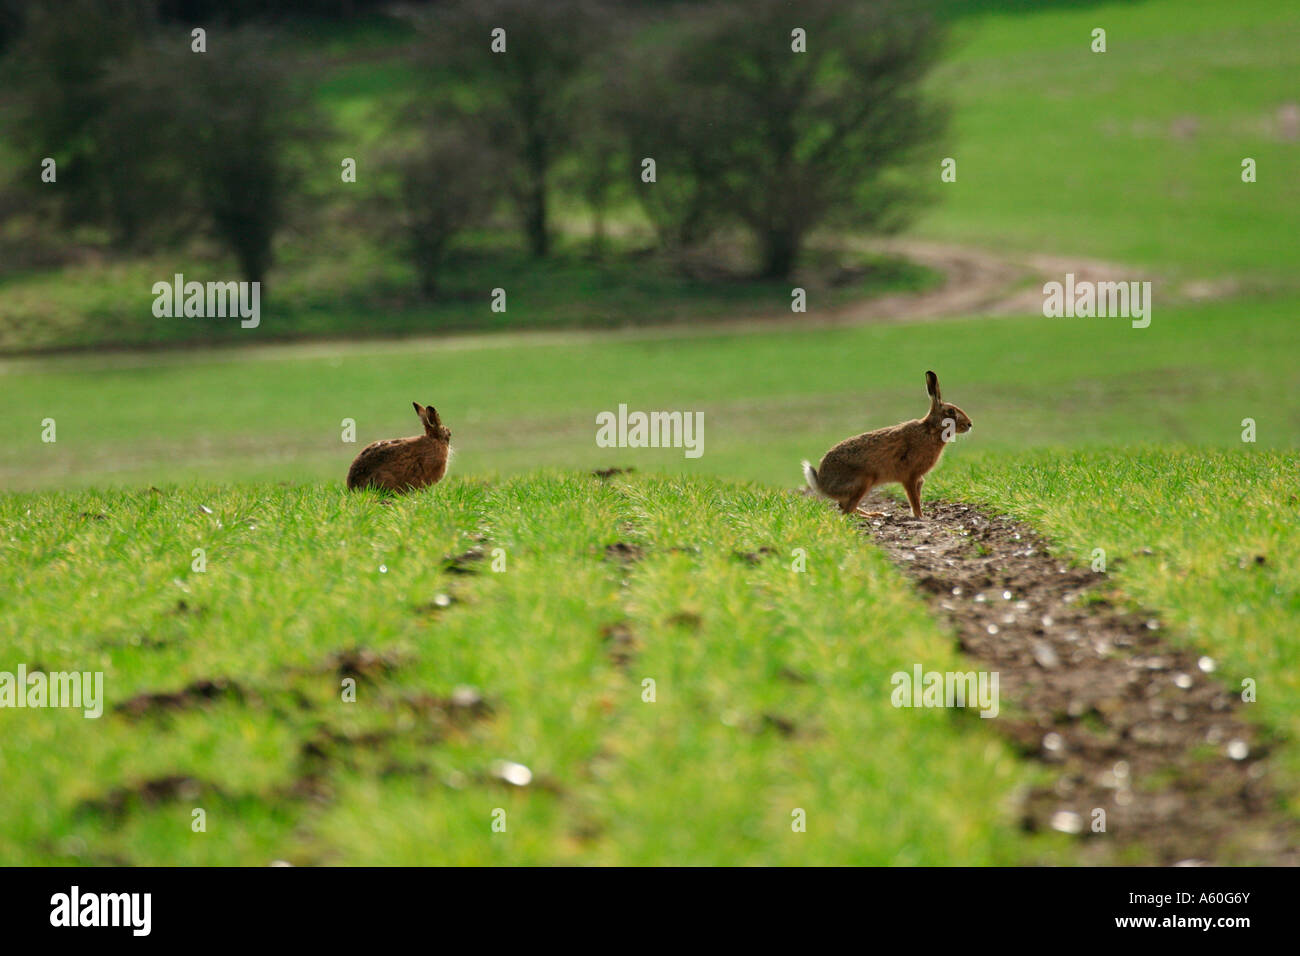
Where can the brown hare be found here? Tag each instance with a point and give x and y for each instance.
(902, 453)
(404, 464)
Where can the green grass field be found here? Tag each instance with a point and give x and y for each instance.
(699, 775)
(769, 398)
(1134, 154)
(771, 685)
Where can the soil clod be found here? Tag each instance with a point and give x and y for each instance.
(624, 552)
(621, 643)
(199, 693)
(463, 563)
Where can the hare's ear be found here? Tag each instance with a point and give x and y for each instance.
(418, 410)
(433, 415)
(932, 386)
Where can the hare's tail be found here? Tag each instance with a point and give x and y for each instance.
(810, 476)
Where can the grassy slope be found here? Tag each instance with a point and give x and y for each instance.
(769, 398)
(695, 777)
(1132, 155)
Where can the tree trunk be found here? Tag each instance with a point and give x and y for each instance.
(780, 252)
(428, 282)
(254, 267)
(539, 240)
(537, 165)
(597, 247)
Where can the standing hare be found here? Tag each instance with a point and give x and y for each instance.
(902, 453)
(403, 464)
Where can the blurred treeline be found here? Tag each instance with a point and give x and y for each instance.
(708, 117)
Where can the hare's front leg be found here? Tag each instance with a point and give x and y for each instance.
(913, 489)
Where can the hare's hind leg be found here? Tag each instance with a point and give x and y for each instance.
(850, 503)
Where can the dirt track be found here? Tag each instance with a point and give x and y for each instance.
(979, 283)
(1148, 733)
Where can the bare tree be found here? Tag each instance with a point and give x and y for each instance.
(250, 128)
(444, 185)
(520, 60)
(662, 118)
(225, 131)
(596, 170)
(58, 66)
(801, 138)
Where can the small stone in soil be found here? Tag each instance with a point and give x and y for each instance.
(1066, 821)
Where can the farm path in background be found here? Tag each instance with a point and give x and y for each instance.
(977, 283)
(980, 282)
(1132, 725)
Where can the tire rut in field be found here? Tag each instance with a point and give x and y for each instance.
(1135, 726)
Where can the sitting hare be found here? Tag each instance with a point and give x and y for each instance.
(402, 464)
(902, 453)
